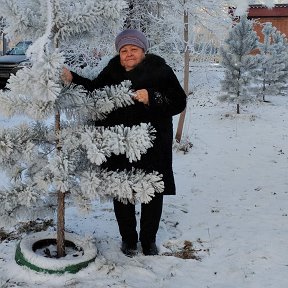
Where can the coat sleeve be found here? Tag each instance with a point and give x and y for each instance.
(168, 98)
(90, 85)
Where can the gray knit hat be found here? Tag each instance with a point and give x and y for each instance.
(131, 37)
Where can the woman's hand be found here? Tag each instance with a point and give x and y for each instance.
(142, 96)
(66, 76)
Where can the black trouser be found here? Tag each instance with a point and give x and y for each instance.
(149, 221)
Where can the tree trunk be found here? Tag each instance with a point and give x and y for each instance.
(61, 225)
(60, 195)
(61, 199)
(186, 77)
(264, 90)
(238, 90)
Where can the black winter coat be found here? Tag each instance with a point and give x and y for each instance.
(166, 98)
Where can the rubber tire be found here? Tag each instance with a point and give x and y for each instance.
(25, 256)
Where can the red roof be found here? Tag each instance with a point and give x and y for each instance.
(279, 10)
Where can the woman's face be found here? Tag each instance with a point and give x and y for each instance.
(131, 56)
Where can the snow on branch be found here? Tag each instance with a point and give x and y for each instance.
(13, 142)
(23, 18)
(98, 103)
(22, 195)
(99, 143)
(131, 141)
(38, 98)
(34, 90)
(15, 200)
(133, 186)
(29, 18)
(20, 104)
(111, 98)
(21, 157)
(35, 169)
(42, 81)
(84, 17)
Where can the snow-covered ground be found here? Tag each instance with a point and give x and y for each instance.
(231, 203)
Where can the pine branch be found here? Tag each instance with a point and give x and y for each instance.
(127, 186)
(23, 18)
(85, 18)
(97, 104)
(132, 142)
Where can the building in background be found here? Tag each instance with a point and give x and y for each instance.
(278, 16)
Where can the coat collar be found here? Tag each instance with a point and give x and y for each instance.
(150, 60)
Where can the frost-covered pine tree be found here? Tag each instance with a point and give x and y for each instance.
(270, 74)
(165, 30)
(162, 22)
(238, 61)
(280, 52)
(55, 154)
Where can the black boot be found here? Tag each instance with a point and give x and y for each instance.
(129, 250)
(149, 249)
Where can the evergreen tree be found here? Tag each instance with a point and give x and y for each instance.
(43, 162)
(270, 73)
(280, 52)
(162, 22)
(238, 61)
(165, 30)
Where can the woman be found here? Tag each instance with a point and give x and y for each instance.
(158, 97)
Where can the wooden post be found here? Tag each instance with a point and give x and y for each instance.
(186, 76)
